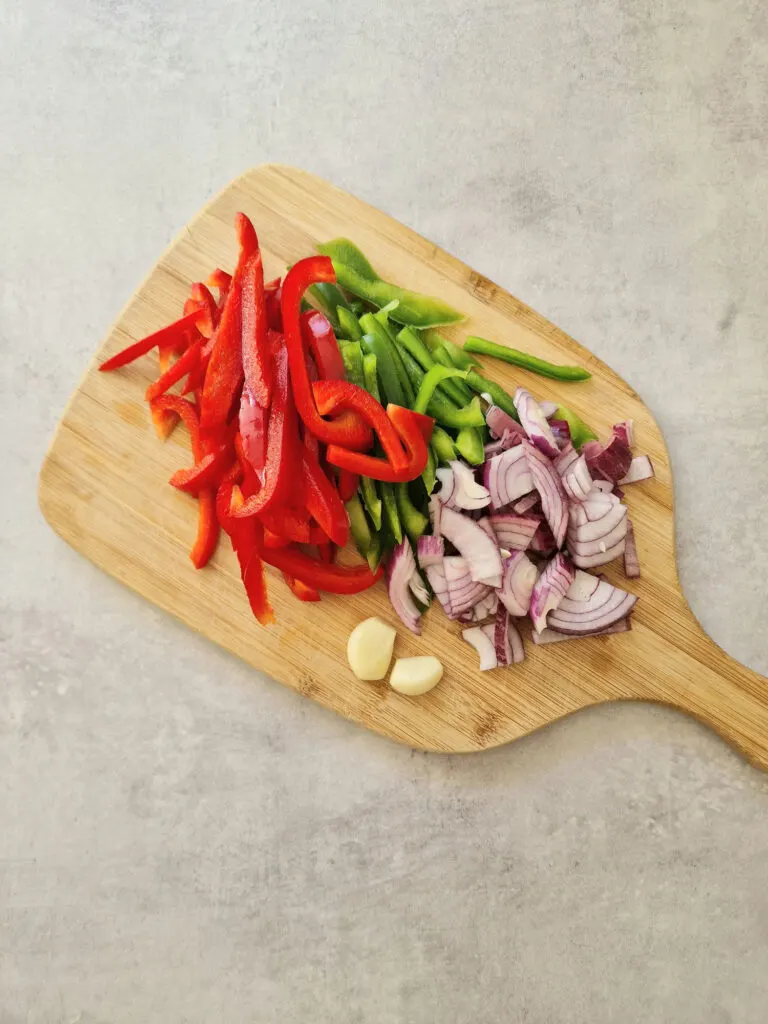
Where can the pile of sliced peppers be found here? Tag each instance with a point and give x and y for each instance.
(279, 436)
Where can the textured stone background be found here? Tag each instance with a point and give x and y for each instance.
(181, 840)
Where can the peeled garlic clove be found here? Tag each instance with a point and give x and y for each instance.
(369, 648)
(414, 676)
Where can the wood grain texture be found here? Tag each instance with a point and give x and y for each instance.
(103, 488)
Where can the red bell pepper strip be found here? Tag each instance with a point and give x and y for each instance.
(327, 553)
(257, 358)
(188, 362)
(175, 334)
(288, 524)
(282, 446)
(410, 429)
(207, 529)
(224, 375)
(207, 472)
(275, 540)
(180, 407)
(245, 535)
(347, 484)
(321, 341)
(332, 395)
(220, 279)
(206, 303)
(274, 294)
(323, 502)
(350, 433)
(301, 590)
(334, 579)
(254, 422)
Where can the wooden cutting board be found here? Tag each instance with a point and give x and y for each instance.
(103, 488)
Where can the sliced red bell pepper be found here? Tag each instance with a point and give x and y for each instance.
(206, 472)
(207, 529)
(301, 590)
(410, 429)
(290, 525)
(282, 446)
(351, 432)
(224, 375)
(206, 303)
(246, 538)
(177, 406)
(334, 579)
(220, 279)
(257, 358)
(321, 341)
(186, 363)
(274, 295)
(327, 553)
(254, 422)
(347, 484)
(333, 395)
(175, 334)
(323, 502)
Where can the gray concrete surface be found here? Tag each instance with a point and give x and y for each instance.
(184, 841)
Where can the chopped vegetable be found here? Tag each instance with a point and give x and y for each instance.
(369, 648)
(550, 589)
(526, 362)
(412, 308)
(400, 569)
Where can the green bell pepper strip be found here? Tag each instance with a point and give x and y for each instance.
(370, 375)
(432, 378)
(440, 355)
(580, 431)
(352, 356)
(428, 476)
(371, 325)
(358, 525)
(445, 449)
(347, 252)
(389, 378)
(414, 522)
(483, 386)
(469, 443)
(434, 339)
(357, 306)
(328, 298)
(371, 500)
(416, 310)
(470, 416)
(526, 362)
(349, 325)
(410, 341)
(391, 516)
(375, 551)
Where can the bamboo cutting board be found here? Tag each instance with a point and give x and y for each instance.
(103, 488)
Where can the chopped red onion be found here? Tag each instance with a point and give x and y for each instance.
(548, 409)
(514, 532)
(517, 583)
(542, 542)
(625, 431)
(561, 432)
(419, 588)
(554, 500)
(608, 462)
(535, 424)
(507, 477)
(604, 486)
(515, 642)
(473, 544)
(605, 606)
(483, 644)
(550, 589)
(526, 504)
(436, 577)
(463, 591)
(567, 458)
(501, 423)
(640, 468)
(463, 491)
(430, 551)
(550, 636)
(435, 509)
(484, 609)
(577, 481)
(400, 568)
(631, 560)
(500, 632)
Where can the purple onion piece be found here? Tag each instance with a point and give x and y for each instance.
(507, 477)
(400, 568)
(605, 606)
(501, 423)
(550, 589)
(483, 644)
(640, 468)
(554, 500)
(631, 560)
(436, 576)
(548, 409)
(535, 424)
(501, 642)
(608, 462)
(430, 551)
(513, 532)
(550, 636)
(517, 583)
